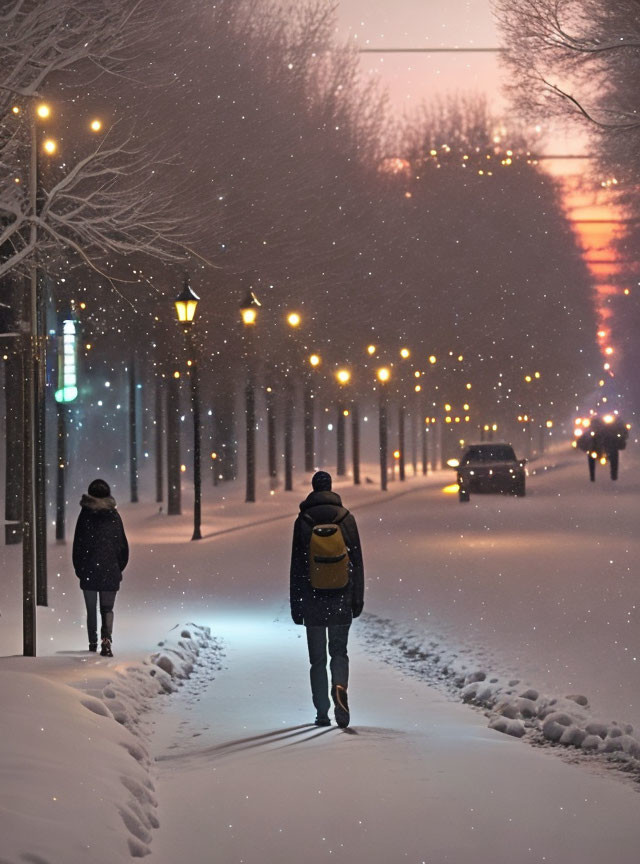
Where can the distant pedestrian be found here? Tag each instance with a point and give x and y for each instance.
(100, 554)
(326, 591)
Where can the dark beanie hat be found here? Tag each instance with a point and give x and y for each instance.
(99, 489)
(321, 481)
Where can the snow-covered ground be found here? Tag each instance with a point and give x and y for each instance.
(542, 589)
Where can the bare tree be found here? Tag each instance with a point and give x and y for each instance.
(578, 59)
(93, 203)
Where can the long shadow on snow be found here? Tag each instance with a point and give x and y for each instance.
(240, 744)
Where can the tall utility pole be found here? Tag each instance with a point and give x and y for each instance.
(29, 416)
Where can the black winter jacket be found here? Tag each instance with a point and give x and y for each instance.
(100, 548)
(321, 608)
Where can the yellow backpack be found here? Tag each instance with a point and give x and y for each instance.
(328, 557)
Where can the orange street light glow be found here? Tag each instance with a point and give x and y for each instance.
(293, 319)
(404, 352)
(314, 360)
(43, 111)
(432, 359)
(383, 374)
(452, 489)
(50, 146)
(343, 376)
(96, 125)
(371, 350)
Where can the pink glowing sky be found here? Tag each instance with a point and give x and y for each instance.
(412, 78)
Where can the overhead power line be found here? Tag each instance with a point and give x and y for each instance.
(430, 50)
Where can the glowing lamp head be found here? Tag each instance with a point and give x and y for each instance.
(43, 111)
(405, 353)
(608, 418)
(95, 125)
(432, 359)
(186, 304)
(371, 350)
(447, 407)
(417, 388)
(249, 308)
(293, 319)
(396, 454)
(15, 109)
(50, 146)
(383, 374)
(314, 360)
(527, 378)
(343, 376)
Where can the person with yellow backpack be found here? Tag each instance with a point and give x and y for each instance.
(326, 590)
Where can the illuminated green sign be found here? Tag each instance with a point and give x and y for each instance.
(67, 366)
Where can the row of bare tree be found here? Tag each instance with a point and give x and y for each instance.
(243, 145)
(578, 62)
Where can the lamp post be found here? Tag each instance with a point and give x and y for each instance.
(383, 375)
(249, 312)
(186, 303)
(405, 354)
(309, 426)
(343, 376)
(293, 320)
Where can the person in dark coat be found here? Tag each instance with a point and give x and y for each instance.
(326, 612)
(100, 554)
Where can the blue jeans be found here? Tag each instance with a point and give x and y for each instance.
(317, 644)
(107, 599)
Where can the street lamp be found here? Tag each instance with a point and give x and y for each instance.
(383, 375)
(343, 376)
(309, 427)
(186, 304)
(249, 312)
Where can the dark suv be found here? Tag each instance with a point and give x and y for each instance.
(490, 468)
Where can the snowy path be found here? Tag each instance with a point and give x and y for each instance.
(243, 778)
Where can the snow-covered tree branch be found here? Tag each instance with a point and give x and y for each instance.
(94, 200)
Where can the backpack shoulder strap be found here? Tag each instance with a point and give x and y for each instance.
(339, 519)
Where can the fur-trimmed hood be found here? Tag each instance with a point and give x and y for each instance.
(92, 503)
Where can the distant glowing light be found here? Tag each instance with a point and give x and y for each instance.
(404, 352)
(371, 350)
(314, 359)
(50, 146)
(432, 359)
(608, 350)
(43, 111)
(396, 454)
(293, 319)
(183, 468)
(16, 109)
(96, 125)
(343, 376)
(383, 374)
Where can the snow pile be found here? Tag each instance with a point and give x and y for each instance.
(512, 707)
(78, 778)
